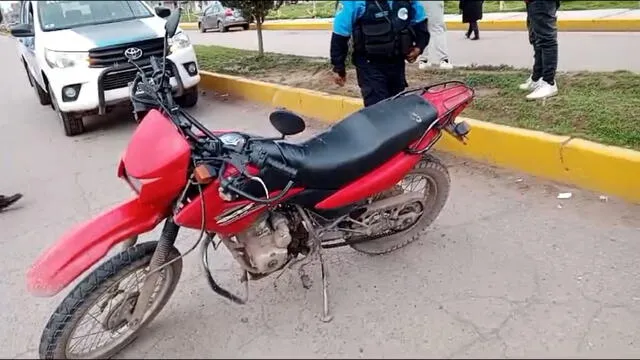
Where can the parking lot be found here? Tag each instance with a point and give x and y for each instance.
(507, 270)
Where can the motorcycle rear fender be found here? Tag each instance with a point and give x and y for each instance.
(381, 178)
(83, 246)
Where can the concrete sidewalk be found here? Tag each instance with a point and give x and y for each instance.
(576, 20)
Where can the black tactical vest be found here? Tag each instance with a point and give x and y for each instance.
(384, 31)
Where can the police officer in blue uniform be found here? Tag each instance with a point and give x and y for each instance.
(385, 33)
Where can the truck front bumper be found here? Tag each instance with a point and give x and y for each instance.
(101, 88)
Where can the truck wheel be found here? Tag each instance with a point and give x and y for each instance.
(221, 27)
(73, 124)
(245, 27)
(201, 27)
(43, 97)
(189, 98)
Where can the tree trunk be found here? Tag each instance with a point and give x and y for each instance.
(259, 31)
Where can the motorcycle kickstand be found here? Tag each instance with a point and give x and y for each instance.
(306, 222)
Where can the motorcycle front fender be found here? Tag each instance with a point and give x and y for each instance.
(83, 246)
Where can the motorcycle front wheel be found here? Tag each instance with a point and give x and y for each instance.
(90, 323)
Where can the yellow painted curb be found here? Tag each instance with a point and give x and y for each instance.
(579, 162)
(597, 25)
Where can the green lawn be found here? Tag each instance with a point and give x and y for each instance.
(325, 9)
(188, 17)
(603, 107)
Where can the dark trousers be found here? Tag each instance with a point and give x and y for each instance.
(473, 28)
(380, 80)
(543, 35)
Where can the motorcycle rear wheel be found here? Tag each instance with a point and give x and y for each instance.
(57, 340)
(438, 184)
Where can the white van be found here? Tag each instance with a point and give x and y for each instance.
(74, 54)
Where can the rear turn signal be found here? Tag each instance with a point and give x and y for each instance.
(459, 130)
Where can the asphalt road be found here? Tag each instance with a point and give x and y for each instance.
(506, 271)
(577, 51)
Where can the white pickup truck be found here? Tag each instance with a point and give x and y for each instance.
(76, 53)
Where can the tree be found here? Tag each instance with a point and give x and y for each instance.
(258, 9)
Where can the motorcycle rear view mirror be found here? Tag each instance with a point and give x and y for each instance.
(171, 26)
(286, 122)
(163, 12)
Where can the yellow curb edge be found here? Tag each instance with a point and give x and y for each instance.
(607, 24)
(608, 169)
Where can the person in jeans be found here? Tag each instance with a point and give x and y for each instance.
(543, 35)
(6, 201)
(437, 50)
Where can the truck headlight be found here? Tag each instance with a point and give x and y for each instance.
(179, 41)
(61, 59)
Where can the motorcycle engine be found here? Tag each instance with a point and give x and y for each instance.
(264, 246)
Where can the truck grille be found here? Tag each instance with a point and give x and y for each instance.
(112, 55)
(121, 78)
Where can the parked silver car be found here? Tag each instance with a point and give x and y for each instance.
(221, 18)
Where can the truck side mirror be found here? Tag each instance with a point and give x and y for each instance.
(22, 30)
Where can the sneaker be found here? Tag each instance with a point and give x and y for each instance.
(445, 65)
(530, 85)
(544, 90)
(423, 65)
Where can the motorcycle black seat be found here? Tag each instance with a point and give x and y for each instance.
(357, 144)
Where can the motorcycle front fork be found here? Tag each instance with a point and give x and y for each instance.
(158, 261)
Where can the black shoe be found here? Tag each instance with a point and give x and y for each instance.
(6, 201)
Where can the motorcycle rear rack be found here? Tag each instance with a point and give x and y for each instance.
(452, 104)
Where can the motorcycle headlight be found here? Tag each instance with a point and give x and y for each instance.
(179, 41)
(61, 59)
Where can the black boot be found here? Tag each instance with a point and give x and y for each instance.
(476, 32)
(468, 33)
(6, 201)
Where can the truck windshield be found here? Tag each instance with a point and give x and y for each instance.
(59, 15)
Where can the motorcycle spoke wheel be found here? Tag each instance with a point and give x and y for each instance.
(431, 179)
(91, 322)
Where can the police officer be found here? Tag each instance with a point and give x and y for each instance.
(385, 33)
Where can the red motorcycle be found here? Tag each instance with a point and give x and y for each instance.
(367, 182)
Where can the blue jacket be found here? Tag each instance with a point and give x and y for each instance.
(350, 11)
(348, 14)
